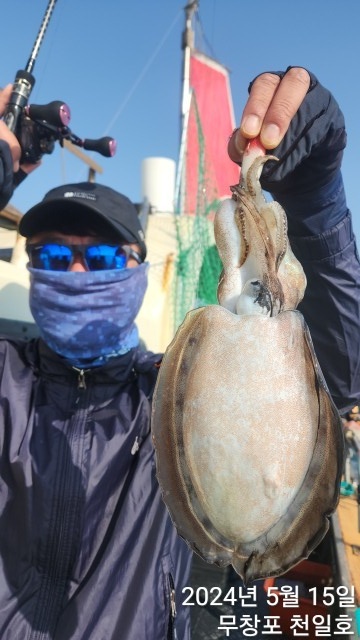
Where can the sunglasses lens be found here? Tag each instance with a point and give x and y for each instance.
(58, 257)
(51, 257)
(103, 256)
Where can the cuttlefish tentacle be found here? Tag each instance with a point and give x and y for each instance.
(262, 245)
(251, 236)
(287, 267)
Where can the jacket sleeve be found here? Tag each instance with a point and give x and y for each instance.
(307, 182)
(331, 306)
(6, 174)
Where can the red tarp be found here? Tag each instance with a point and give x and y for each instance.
(211, 95)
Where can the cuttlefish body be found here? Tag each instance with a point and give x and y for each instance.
(248, 441)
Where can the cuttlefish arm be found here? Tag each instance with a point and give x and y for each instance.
(260, 273)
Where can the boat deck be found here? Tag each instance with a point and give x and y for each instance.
(348, 516)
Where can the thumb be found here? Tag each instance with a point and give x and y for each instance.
(5, 95)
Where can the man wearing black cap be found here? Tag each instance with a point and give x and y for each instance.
(92, 229)
(88, 203)
(88, 550)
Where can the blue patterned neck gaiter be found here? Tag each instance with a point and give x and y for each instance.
(88, 317)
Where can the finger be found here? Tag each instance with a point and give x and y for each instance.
(261, 95)
(285, 103)
(5, 95)
(5, 134)
(28, 168)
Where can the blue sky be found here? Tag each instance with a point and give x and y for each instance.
(117, 65)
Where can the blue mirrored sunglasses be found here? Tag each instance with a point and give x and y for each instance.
(52, 256)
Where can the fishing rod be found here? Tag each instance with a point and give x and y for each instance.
(38, 127)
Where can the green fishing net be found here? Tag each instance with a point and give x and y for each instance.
(198, 264)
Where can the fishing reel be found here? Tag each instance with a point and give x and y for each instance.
(38, 127)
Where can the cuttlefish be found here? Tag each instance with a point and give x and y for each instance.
(248, 442)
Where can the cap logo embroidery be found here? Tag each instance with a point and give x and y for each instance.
(80, 194)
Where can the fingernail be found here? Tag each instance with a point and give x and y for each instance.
(251, 125)
(270, 135)
(240, 142)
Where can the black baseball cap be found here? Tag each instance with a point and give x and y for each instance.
(92, 202)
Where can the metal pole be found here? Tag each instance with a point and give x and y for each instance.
(187, 46)
(188, 39)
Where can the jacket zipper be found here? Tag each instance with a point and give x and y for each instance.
(57, 563)
(172, 635)
(136, 446)
(81, 377)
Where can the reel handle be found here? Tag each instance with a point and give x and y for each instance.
(105, 146)
(56, 113)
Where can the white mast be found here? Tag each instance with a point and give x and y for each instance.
(188, 39)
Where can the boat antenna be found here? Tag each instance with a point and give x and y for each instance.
(188, 40)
